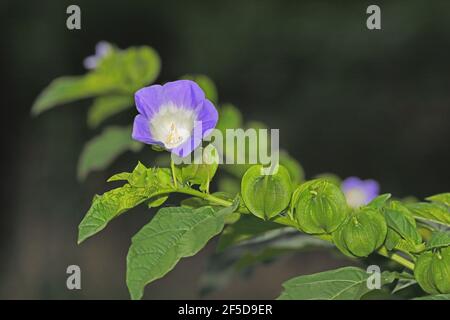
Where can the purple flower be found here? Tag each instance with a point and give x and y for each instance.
(176, 116)
(359, 192)
(101, 49)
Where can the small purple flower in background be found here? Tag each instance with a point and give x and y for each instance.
(176, 116)
(359, 192)
(101, 49)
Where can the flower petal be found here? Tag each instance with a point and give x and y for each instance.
(183, 93)
(141, 131)
(206, 121)
(209, 116)
(372, 189)
(102, 48)
(351, 183)
(90, 62)
(148, 100)
(187, 147)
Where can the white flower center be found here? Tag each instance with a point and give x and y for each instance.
(355, 198)
(172, 125)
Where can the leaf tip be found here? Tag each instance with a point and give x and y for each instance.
(135, 293)
(35, 111)
(81, 238)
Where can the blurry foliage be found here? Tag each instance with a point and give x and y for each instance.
(101, 151)
(112, 85)
(119, 72)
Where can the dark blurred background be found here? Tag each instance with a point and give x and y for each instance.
(351, 101)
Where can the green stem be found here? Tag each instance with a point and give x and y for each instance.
(195, 193)
(205, 196)
(172, 167)
(396, 257)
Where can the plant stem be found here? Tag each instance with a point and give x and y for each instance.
(174, 177)
(396, 257)
(205, 196)
(196, 193)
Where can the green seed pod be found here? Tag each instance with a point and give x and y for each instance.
(362, 233)
(266, 195)
(319, 206)
(432, 271)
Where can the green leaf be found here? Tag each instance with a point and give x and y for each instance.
(123, 176)
(142, 184)
(206, 84)
(349, 283)
(194, 203)
(442, 198)
(330, 177)
(201, 173)
(435, 297)
(247, 227)
(174, 233)
(293, 166)
(252, 124)
(236, 170)
(67, 89)
(107, 106)
(430, 212)
(134, 67)
(404, 284)
(379, 201)
(121, 72)
(266, 195)
(229, 185)
(229, 118)
(392, 239)
(157, 201)
(103, 149)
(402, 230)
(106, 207)
(397, 221)
(439, 239)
